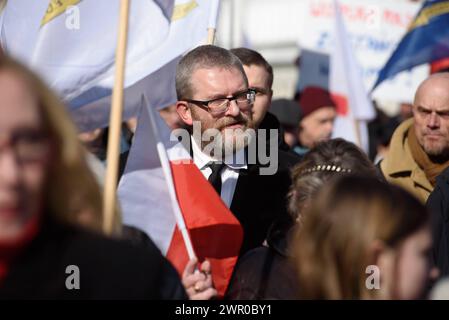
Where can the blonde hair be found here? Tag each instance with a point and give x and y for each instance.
(332, 249)
(71, 189)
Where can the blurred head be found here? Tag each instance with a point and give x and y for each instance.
(431, 115)
(260, 78)
(171, 117)
(94, 142)
(405, 110)
(205, 76)
(328, 160)
(318, 116)
(42, 168)
(357, 224)
(289, 114)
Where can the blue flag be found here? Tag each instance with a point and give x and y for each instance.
(426, 40)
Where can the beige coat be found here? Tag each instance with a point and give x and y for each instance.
(400, 168)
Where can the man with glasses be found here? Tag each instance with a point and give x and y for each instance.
(213, 93)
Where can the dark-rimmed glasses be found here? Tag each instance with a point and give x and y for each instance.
(219, 106)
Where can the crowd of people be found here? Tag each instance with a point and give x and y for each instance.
(330, 223)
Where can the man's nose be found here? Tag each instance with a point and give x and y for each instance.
(9, 168)
(233, 109)
(433, 121)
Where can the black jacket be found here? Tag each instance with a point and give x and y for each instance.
(261, 200)
(266, 272)
(108, 269)
(438, 205)
(258, 200)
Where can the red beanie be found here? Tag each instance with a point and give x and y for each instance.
(313, 98)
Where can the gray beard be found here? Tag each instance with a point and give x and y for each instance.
(220, 145)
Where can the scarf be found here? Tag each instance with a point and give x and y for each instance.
(431, 169)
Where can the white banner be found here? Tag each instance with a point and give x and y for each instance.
(375, 28)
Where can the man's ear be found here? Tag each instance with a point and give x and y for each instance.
(184, 112)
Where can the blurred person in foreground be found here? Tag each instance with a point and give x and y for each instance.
(419, 148)
(318, 113)
(363, 239)
(267, 272)
(46, 193)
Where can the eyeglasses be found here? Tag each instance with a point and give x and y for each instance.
(219, 106)
(28, 145)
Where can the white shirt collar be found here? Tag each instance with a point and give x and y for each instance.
(202, 160)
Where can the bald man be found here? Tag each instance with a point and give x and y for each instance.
(419, 148)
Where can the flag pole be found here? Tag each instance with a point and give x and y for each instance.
(115, 123)
(212, 26)
(210, 36)
(358, 136)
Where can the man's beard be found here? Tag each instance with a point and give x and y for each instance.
(221, 142)
(437, 152)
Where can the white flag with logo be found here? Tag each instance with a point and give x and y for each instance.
(72, 43)
(188, 29)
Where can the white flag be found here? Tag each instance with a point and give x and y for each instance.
(20, 21)
(77, 41)
(71, 43)
(354, 107)
(188, 29)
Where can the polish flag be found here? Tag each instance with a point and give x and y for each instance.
(354, 107)
(163, 193)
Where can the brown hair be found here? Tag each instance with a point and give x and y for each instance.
(71, 188)
(332, 248)
(327, 160)
(250, 57)
(207, 56)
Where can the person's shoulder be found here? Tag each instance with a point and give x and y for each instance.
(438, 200)
(117, 268)
(254, 256)
(270, 121)
(91, 241)
(443, 177)
(288, 159)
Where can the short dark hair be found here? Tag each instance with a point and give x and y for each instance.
(250, 57)
(207, 56)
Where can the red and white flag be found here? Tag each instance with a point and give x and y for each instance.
(163, 193)
(354, 107)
